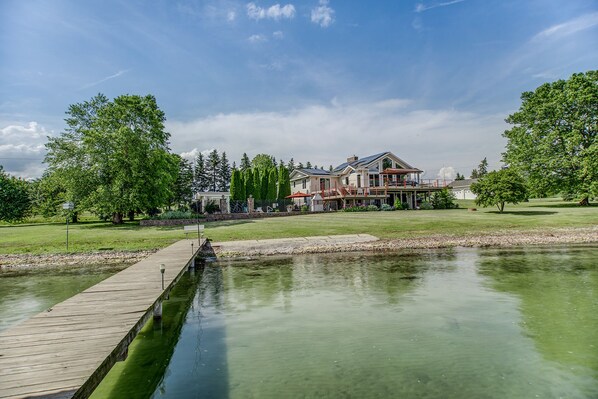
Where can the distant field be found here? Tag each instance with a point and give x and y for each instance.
(94, 235)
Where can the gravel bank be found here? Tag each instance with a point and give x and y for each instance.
(103, 257)
(496, 239)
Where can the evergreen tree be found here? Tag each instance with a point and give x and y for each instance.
(474, 174)
(213, 170)
(308, 165)
(264, 184)
(257, 184)
(237, 188)
(245, 163)
(459, 177)
(248, 178)
(182, 189)
(316, 167)
(330, 168)
(284, 182)
(224, 174)
(200, 180)
(483, 168)
(291, 165)
(300, 165)
(272, 185)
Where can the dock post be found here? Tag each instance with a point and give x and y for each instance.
(158, 311)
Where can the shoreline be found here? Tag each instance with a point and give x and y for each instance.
(584, 235)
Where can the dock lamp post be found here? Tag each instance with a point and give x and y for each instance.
(162, 270)
(68, 206)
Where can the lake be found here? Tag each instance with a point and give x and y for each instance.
(483, 323)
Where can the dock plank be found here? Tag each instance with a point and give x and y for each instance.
(65, 351)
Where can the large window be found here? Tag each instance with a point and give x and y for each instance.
(386, 163)
(304, 183)
(358, 180)
(374, 180)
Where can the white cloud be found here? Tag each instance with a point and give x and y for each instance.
(322, 15)
(567, 28)
(230, 16)
(22, 149)
(278, 35)
(421, 7)
(257, 38)
(275, 12)
(327, 134)
(447, 173)
(191, 155)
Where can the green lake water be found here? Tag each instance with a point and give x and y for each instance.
(462, 323)
(27, 292)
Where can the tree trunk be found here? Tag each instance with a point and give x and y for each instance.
(584, 202)
(131, 216)
(74, 217)
(501, 206)
(117, 218)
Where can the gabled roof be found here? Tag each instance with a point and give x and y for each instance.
(359, 162)
(462, 183)
(312, 172)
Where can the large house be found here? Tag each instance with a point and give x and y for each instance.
(374, 180)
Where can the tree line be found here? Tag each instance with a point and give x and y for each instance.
(261, 179)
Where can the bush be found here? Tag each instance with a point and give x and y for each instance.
(426, 206)
(444, 200)
(174, 215)
(401, 205)
(386, 207)
(304, 208)
(212, 207)
(355, 209)
(372, 208)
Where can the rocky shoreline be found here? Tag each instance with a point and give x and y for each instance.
(497, 239)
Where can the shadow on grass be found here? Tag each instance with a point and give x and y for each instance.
(524, 213)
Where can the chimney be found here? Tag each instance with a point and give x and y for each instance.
(352, 159)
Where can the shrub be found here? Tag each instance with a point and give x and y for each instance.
(304, 208)
(174, 215)
(355, 209)
(372, 208)
(212, 207)
(426, 206)
(386, 207)
(443, 200)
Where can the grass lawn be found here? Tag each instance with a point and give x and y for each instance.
(92, 235)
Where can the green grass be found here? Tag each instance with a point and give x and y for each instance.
(92, 236)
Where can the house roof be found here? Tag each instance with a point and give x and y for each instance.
(359, 162)
(462, 183)
(312, 172)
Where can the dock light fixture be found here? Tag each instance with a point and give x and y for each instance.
(162, 270)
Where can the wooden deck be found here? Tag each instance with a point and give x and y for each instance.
(65, 351)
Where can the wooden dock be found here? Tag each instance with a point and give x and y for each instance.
(67, 350)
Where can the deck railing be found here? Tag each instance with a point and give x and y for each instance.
(352, 191)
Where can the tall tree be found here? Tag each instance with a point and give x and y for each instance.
(237, 189)
(459, 177)
(284, 182)
(291, 165)
(257, 185)
(245, 163)
(272, 193)
(213, 170)
(249, 187)
(308, 165)
(200, 178)
(224, 174)
(14, 198)
(264, 184)
(500, 187)
(263, 162)
(182, 188)
(553, 141)
(114, 156)
(483, 168)
(47, 195)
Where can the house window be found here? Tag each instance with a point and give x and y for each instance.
(358, 180)
(347, 180)
(304, 183)
(294, 184)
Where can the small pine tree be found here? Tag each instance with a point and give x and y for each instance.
(308, 165)
(291, 165)
(300, 165)
(224, 174)
(474, 174)
(245, 163)
(213, 170)
(200, 178)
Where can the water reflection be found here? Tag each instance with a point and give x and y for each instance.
(558, 289)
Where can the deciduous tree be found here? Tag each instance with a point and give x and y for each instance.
(14, 198)
(553, 141)
(500, 187)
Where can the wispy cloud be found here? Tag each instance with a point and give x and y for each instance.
(276, 12)
(278, 35)
(257, 38)
(567, 28)
(322, 15)
(421, 7)
(116, 75)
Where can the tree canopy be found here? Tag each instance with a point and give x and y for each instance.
(500, 187)
(14, 198)
(553, 141)
(113, 157)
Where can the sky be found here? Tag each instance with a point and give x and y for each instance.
(317, 80)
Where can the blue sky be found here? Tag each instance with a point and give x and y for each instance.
(431, 81)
